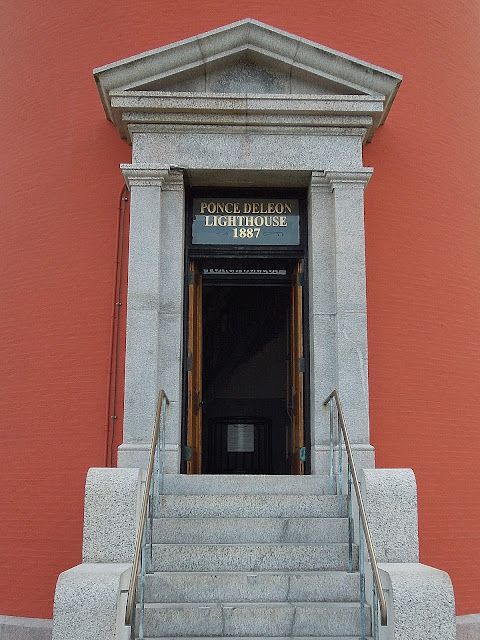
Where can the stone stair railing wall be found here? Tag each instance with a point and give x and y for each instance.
(281, 552)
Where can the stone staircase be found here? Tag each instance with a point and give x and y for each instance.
(251, 557)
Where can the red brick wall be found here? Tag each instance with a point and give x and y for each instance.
(60, 188)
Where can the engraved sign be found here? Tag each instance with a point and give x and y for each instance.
(246, 221)
(240, 438)
(250, 272)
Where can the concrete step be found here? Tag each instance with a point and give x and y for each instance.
(250, 506)
(356, 637)
(251, 557)
(211, 484)
(263, 619)
(230, 530)
(322, 586)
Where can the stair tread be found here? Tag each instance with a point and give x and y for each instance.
(317, 519)
(273, 605)
(245, 545)
(251, 505)
(245, 483)
(273, 572)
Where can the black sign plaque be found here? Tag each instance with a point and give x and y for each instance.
(246, 221)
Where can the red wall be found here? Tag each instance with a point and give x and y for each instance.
(60, 189)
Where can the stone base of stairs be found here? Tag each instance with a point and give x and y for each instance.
(90, 598)
(468, 627)
(13, 628)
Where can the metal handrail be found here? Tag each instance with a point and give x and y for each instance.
(361, 507)
(162, 399)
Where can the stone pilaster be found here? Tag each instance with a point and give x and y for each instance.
(323, 357)
(338, 318)
(351, 301)
(154, 310)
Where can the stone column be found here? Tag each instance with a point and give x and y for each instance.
(322, 308)
(154, 311)
(351, 299)
(338, 314)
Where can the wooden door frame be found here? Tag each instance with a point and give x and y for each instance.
(297, 433)
(296, 441)
(194, 371)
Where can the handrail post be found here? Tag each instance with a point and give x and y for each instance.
(375, 612)
(364, 531)
(157, 478)
(148, 509)
(350, 520)
(361, 564)
(142, 585)
(332, 477)
(164, 429)
(340, 467)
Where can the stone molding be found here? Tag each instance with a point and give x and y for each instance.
(334, 115)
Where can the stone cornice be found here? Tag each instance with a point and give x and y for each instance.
(282, 112)
(316, 86)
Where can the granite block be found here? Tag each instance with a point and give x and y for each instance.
(112, 509)
(90, 603)
(390, 499)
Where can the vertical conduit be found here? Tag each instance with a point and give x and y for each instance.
(111, 402)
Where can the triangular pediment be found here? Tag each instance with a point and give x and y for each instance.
(246, 58)
(248, 73)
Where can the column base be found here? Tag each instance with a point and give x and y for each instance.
(137, 455)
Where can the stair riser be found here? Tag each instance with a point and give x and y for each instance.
(266, 587)
(212, 484)
(236, 530)
(251, 557)
(274, 638)
(251, 506)
(250, 620)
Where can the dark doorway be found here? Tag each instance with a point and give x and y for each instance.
(245, 374)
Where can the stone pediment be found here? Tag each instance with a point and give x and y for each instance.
(274, 71)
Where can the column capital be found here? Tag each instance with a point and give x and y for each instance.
(173, 180)
(329, 179)
(150, 175)
(359, 177)
(319, 180)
